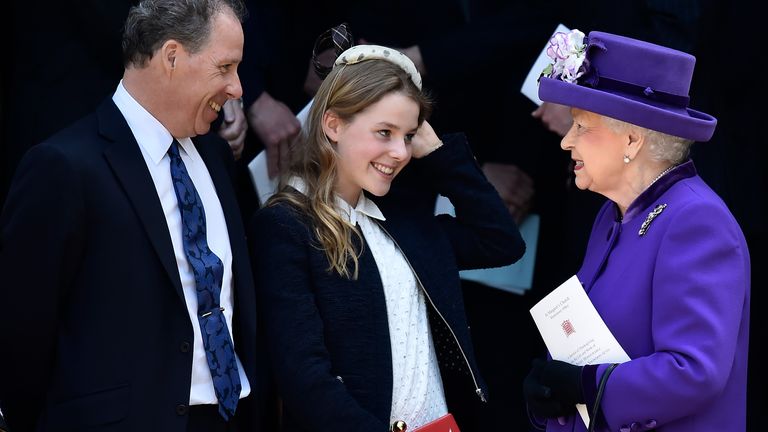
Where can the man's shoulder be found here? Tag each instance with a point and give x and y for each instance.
(66, 151)
(78, 138)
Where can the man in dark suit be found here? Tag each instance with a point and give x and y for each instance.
(86, 33)
(127, 296)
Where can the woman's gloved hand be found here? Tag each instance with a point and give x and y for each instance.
(553, 388)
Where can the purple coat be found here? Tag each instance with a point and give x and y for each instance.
(677, 300)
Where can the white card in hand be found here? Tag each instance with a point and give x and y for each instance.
(531, 84)
(573, 330)
(266, 186)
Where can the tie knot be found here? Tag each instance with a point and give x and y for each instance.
(173, 150)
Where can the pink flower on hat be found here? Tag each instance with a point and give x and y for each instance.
(567, 51)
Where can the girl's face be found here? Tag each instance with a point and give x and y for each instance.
(374, 146)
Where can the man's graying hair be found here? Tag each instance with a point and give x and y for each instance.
(153, 22)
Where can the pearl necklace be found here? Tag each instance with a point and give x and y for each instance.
(670, 168)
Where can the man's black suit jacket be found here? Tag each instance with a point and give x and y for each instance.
(95, 331)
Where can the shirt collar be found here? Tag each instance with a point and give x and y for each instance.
(151, 135)
(649, 196)
(346, 211)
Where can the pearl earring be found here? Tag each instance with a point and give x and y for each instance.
(626, 159)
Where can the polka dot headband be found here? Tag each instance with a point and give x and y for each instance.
(361, 53)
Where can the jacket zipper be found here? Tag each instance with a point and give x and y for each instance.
(478, 390)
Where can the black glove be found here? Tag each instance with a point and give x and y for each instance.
(553, 388)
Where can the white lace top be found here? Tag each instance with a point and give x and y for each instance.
(417, 390)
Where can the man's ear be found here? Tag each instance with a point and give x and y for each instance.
(332, 125)
(169, 53)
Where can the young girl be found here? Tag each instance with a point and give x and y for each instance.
(360, 296)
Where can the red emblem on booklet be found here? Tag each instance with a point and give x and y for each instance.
(445, 423)
(568, 328)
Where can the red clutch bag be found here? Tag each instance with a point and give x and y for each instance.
(445, 423)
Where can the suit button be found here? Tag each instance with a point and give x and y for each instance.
(184, 347)
(182, 409)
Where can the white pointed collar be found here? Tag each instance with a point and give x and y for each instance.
(364, 205)
(148, 131)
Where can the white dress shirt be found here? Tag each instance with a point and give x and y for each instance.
(154, 141)
(417, 388)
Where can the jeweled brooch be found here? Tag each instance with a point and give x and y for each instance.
(648, 219)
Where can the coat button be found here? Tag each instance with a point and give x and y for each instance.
(398, 426)
(182, 409)
(184, 347)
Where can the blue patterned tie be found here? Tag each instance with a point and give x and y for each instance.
(208, 271)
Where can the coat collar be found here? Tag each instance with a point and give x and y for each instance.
(649, 196)
(151, 135)
(124, 156)
(350, 214)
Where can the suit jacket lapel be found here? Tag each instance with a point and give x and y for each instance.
(124, 156)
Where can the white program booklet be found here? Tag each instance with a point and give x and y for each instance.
(265, 185)
(574, 332)
(531, 84)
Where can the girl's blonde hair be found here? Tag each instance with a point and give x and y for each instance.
(346, 91)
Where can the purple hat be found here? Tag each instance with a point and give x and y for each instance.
(626, 79)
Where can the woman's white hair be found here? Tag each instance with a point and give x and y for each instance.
(661, 146)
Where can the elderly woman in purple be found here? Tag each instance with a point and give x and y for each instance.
(666, 266)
